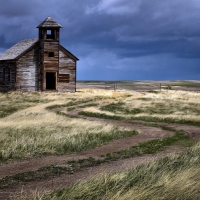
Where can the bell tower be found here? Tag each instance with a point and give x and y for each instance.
(49, 37)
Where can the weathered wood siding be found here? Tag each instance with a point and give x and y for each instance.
(40, 68)
(66, 66)
(51, 64)
(7, 75)
(28, 71)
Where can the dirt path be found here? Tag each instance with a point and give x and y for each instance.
(64, 180)
(145, 133)
(192, 131)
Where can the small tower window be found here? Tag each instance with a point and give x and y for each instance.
(48, 32)
(51, 54)
(51, 34)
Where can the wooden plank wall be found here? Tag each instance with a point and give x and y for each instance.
(10, 66)
(27, 72)
(40, 69)
(66, 66)
(51, 64)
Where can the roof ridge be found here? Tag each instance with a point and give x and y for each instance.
(49, 23)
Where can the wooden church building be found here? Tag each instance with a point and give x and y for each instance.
(39, 64)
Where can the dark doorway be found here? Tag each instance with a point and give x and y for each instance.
(50, 80)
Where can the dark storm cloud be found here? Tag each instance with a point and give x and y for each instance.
(2, 41)
(12, 8)
(114, 35)
(154, 27)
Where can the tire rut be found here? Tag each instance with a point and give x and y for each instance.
(146, 133)
(65, 180)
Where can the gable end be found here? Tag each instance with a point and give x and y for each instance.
(68, 53)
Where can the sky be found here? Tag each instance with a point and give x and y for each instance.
(115, 39)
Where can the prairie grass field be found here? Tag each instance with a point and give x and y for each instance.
(165, 106)
(27, 133)
(95, 127)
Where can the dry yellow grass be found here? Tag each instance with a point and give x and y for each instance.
(35, 130)
(165, 104)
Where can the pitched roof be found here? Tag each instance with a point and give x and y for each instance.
(49, 23)
(18, 49)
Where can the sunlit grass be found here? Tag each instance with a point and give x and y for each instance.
(11, 102)
(56, 138)
(36, 131)
(172, 107)
(29, 129)
(160, 105)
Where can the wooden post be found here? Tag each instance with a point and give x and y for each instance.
(160, 86)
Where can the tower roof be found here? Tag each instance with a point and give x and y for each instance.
(49, 23)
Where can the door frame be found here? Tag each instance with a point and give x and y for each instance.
(56, 80)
